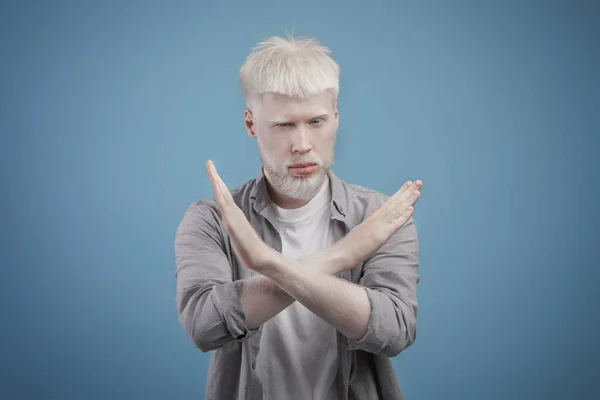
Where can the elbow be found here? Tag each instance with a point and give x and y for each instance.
(212, 320)
(388, 341)
(392, 326)
(405, 337)
(203, 342)
(208, 338)
(200, 331)
(205, 336)
(200, 336)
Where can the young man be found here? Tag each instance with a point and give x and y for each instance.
(302, 285)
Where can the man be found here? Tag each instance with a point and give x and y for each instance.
(301, 284)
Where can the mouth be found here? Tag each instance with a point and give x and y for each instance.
(303, 169)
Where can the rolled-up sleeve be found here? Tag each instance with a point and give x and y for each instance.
(390, 278)
(207, 299)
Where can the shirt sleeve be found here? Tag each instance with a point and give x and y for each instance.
(207, 299)
(390, 278)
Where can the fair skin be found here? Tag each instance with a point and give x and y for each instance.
(292, 131)
(343, 304)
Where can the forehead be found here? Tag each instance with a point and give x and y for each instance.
(279, 106)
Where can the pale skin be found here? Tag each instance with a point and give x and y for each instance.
(342, 304)
(289, 131)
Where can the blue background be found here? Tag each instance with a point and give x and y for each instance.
(110, 109)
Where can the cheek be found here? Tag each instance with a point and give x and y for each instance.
(273, 152)
(327, 142)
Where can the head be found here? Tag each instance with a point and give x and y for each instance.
(291, 88)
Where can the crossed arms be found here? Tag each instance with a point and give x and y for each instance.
(377, 315)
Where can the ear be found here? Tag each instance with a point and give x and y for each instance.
(337, 117)
(249, 123)
(336, 114)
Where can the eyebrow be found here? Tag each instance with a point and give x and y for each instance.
(285, 121)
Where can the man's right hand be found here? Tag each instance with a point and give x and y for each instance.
(366, 238)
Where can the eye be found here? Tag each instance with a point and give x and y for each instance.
(316, 121)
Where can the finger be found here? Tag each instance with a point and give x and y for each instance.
(402, 189)
(215, 181)
(222, 186)
(396, 206)
(408, 185)
(411, 194)
(400, 222)
(402, 198)
(223, 189)
(411, 198)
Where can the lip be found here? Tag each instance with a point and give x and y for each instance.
(303, 169)
(303, 165)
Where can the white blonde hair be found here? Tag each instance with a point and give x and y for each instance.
(295, 67)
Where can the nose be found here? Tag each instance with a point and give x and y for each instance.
(301, 141)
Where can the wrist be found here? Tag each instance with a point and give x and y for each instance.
(265, 259)
(351, 246)
(330, 260)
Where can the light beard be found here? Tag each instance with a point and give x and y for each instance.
(295, 187)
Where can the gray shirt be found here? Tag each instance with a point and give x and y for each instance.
(209, 284)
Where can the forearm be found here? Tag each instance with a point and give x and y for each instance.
(342, 304)
(262, 298)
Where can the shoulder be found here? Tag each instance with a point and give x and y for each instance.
(205, 211)
(366, 195)
(360, 201)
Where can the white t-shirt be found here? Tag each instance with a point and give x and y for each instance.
(298, 350)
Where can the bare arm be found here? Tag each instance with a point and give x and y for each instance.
(344, 305)
(378, 315)
(262, 298)
(266, 295)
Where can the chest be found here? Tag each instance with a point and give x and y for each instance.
(301, 239)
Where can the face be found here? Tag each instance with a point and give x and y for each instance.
(296, 142)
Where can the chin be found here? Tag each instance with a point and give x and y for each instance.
(295, 186)
(303, 187)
